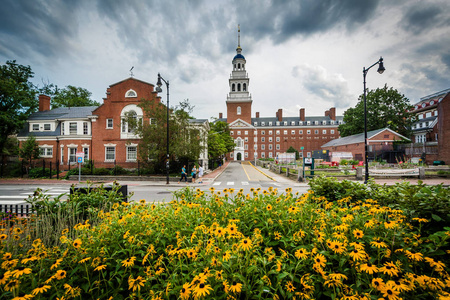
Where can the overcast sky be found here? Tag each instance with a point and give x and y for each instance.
(300, 53)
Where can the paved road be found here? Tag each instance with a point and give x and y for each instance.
(235, 175)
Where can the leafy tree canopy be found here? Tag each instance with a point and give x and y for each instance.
(29, 149)
(70, 96)
(386, 107)
(17, 98)
(220, 141)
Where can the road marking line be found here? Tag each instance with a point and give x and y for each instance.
(245, 183)
(12, 202)
(245, 171)
(217, 183)
(13, 197)
(230, 183)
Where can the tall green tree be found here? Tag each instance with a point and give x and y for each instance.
(220, 141)
(185, 140)
(386, 107)
(70, 96)
(17, 98)
(29, 149)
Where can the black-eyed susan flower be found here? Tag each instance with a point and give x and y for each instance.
(301, 253)
(236, 287)
(77, 243)
(368, 268)
(246, 244)
(378, 243)
(41, 289)
(357, 254)
(185, 291)
(357, 233)
(202, 290)
(4, 277)
(390, 293)
(129, 262)
(320, 260)
(21, 271)
(390, 269)
(290, 286)
(7, 256)
(100, 268)
(377, 283)
(136, 284)
(12, 285)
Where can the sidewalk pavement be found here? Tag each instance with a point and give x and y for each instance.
(210, 176)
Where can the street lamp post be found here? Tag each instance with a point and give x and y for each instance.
(159, 90)
(366, 150)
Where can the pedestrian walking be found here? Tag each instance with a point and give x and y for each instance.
(200, 174)
(194, 173)
(183, 174)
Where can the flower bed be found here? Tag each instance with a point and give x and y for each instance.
(264, 245)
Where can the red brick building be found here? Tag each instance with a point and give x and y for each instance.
(267, 137)
(379, 141)
(98, 133)
(430, 131)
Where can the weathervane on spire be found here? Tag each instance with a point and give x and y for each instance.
(131, 71)
(239, 36)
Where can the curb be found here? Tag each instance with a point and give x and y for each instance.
(262, 172)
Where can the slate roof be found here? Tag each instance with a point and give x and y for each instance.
(63, 113)
(289, 121)
(357, 138)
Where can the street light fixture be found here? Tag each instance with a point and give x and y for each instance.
(159, 90)
(380, 70)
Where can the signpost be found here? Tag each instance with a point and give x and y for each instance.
(80, 160)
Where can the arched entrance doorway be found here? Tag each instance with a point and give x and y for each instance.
(239, 156)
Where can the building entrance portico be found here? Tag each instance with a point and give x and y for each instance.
(238, 155)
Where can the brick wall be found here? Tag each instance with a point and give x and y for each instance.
(246, 111)
(443, 129)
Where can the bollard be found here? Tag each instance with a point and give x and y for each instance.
(421, 173)
(359, 174)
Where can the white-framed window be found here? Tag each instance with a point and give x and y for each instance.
(285, 123)
(86, 153)
(232, 132)
(308, 154)
(285, 132)
(231, 155)
(308, 131)
(239, 132)
(277, 132)
(332, 131)
(72, 155)
(255, 139)
(263, 154)
(246, 154)
(270, 139)
(316, 122)
(35, 127)
(270, 154)
(263, 139)
(263, 147)
(278, 147)
(324, 131)
(62, 129)
(332, 122)
(263, 132)
(316, 131)
(131, 153)
(278, 123)
(324, 122)
(270, 132)
(152, 121)
(62, 155)
(73, 129)
(246, 146)
(255, 123)
(427, 115)
(300, 122)
(308, 123)
(110, 153)
(246, 139)
(109, 124)
(270, 123)
(47, 127)
(85, 128)
(263, 123)
(293, 123)
(46, 151)
(130, 94)
(278, 139)
(238, 110)
(270, 146)
(246, 132)
(292, 132)
(300, 132)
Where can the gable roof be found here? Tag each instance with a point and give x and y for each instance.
(358, 138)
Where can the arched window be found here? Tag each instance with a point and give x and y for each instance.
(239, 87)
(239, 143)
(244, 87)
(239, 66)
(130, 94)
(233, 87)
(238, 110)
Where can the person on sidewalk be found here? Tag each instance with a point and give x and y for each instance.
(200, 174)
(194, 174)
(183, 174)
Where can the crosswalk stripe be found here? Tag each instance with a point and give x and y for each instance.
(217, 183)
(245, 183)
(230, 183)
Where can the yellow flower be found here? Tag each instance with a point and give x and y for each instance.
(246, 244)
(390, 269)
(202, 290)
(41, 290)
(378, 283)
(84, 260)
(320, 260)
(358, 233)
(301, 253)
(5, 277)
(60, 274)
(236, 287)
(369, 268)
(77, 243)
(21, 271)
(129, 262)
(269, 207)
(185, 291)
(99, 268)
(3, 237)
(290, 287)
(136, 283)
(56, 264)
(357, 254)
(7, 256)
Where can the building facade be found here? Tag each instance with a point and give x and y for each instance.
(100, 134)
(430, 131)
(267, 137)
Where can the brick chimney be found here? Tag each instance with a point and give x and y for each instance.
(44, 103)
(280, 115)
(332, 113)
(257, 114)
(302, 114)
(220, 115)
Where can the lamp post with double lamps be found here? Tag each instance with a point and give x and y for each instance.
(366, 150)
(159, 90)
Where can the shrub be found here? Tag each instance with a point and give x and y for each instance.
(222, 245)
(37, 172)
(102, 171)
(118, 170)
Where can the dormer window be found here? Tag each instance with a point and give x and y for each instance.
(424, 104)
(293, 123)
(285, 123)
(255, 123)
(324, 122)
(332, 122)
(316, 122)
(270, 123)
(130, 94)
(278, 123)
(300, 122)
(308, 123)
